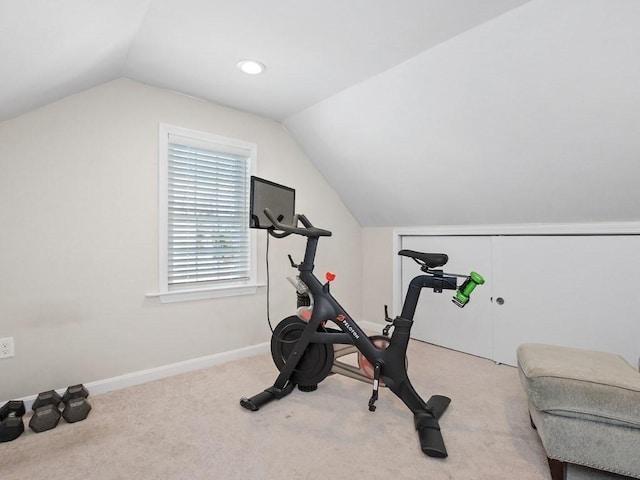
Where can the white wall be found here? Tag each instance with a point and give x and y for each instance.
(79, 245)
(377, 273)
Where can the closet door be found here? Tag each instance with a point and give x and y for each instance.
(437, 319)
(578, 291)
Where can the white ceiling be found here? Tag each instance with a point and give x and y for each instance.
(312, 49)
(417, 112)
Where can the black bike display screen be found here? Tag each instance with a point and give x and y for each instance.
(279, 199)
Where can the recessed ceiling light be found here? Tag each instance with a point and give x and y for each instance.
(252, 67)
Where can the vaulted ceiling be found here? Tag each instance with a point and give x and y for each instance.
(312, 49)
(418, 112)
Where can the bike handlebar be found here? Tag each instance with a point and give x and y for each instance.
(308, 231)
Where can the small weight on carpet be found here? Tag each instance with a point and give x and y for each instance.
(11, 424)
(76, 407)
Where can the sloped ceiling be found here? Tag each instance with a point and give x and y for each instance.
(418, 112)
(533, 117)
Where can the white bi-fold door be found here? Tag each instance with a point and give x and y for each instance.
(572, 290)
(437, 320)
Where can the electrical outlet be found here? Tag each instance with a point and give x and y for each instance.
(7, 347)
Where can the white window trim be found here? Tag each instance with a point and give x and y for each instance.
(165, 295)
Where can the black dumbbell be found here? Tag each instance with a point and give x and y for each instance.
(76, 407)
(46, 413)
(11, 425)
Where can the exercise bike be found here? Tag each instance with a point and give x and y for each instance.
(303, 348)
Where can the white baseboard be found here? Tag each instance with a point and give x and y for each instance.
(144, 376)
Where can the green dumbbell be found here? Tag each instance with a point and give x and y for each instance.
(461, 298)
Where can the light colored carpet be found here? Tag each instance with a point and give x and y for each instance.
(191, 426)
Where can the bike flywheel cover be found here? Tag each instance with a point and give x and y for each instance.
(316, 361)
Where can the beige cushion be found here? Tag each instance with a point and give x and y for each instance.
(581, 383)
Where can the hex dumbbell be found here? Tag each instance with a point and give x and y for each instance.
(76, 407)
(46, 413)
(11, 425)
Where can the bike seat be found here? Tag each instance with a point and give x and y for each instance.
(431, 260)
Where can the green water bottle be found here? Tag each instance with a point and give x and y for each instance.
(461, 298)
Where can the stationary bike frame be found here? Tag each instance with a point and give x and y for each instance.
(389, 363)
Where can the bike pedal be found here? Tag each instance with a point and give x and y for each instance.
(372, 401)
(376, 383)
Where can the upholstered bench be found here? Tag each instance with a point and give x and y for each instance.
(585, 406)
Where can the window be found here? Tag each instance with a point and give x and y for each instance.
(206, 247)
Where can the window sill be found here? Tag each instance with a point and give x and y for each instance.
(204, 293)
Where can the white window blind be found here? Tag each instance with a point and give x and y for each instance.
(208, 231)
(205, 241)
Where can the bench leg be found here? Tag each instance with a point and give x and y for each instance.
(557, 469)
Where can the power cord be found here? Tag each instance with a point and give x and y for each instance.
(268, 282)
(280, 339)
